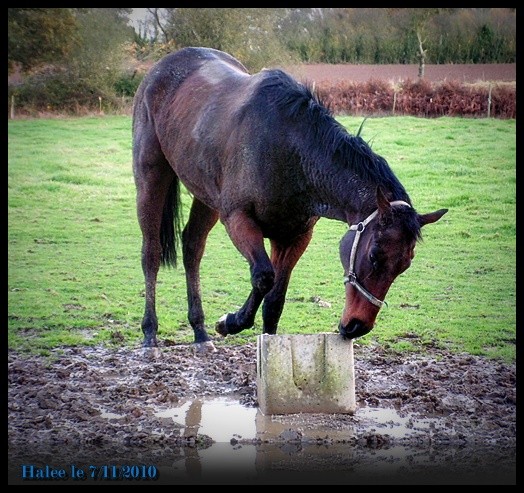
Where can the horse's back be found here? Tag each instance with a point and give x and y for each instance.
(168, 74)
(159, 99)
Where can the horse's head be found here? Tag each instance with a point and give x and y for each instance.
(373, 253)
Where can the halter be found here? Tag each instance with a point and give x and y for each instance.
(351, 278)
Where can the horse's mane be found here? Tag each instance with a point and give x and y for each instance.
(324, 137)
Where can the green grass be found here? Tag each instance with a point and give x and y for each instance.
(74, 243)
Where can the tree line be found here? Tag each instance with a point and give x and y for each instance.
(74, 55)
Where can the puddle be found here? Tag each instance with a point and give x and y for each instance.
(221, 419)
(250, 447)
(107, 415)
(390, 422)
(224, 419)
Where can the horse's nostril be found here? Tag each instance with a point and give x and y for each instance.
(354, 329)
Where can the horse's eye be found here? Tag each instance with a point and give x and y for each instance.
(374, 261)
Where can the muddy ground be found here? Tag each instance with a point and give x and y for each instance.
(58, 408)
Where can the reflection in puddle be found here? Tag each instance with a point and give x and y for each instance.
(251, 448)
(220, 419)
(224, 419)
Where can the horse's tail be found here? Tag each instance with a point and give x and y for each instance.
(171, 228)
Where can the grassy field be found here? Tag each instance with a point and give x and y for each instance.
(74, 243)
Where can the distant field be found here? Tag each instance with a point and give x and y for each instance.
(503, 72)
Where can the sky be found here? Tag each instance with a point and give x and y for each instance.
(137, 15)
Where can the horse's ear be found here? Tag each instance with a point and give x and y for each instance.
(431, 217)
(382, 202)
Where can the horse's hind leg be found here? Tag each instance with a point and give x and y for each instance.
(249, 240)
(153, 181)
(201, 221)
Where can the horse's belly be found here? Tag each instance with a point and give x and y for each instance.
(207, 191)
(286, 223)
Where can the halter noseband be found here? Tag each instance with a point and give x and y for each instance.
(351, 278)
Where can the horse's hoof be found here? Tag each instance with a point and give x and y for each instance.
(204, 347)
(221, 326)
(152, 353)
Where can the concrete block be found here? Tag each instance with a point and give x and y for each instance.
(310, 373)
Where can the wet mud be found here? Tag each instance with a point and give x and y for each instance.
(433, 418)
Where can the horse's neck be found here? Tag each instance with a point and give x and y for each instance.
(342, 195)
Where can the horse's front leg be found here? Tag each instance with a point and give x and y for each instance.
(201, 221)
(284, 258)
(249, 240)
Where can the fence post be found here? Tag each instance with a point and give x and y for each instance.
(12, 106)
(394, 101)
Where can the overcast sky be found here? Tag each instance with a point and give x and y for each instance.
(137, 15)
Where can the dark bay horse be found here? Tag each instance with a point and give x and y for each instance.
(262, 154)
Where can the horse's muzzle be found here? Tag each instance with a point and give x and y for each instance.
(354, 329)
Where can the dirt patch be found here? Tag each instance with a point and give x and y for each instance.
(95, 404)
(469, 73)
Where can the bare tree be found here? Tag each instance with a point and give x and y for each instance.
(421, 55)
(158, 22)
(420, 19)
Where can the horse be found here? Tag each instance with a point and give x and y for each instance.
(264, 155)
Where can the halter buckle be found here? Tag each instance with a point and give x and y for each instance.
(351, 278)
